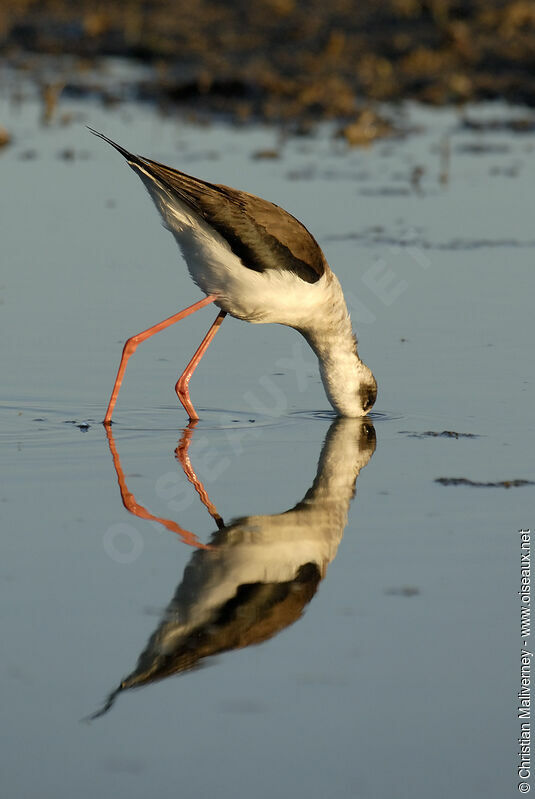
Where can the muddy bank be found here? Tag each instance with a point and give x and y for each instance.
(282, 59)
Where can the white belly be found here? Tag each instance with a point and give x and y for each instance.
(274, 295)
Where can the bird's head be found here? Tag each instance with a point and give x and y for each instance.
(349, 384)
(368, 392)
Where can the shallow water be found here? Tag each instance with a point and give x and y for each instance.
(389, 669)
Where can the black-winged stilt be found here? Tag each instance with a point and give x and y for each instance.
(256, 262)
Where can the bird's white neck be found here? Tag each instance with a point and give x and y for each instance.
(342, 372)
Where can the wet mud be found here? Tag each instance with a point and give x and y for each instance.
(282, 60)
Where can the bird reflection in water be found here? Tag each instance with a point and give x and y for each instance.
(257, 573)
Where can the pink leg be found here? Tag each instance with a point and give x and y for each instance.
(132, 343)
(182, 386)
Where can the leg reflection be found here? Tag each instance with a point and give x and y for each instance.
(131, 505)
(183, 458)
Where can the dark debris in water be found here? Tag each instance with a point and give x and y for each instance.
(371, 237)
(266, 155)
(505, 171)
(28, 155)
(386, 191)
(404, 590)
(524, 124)
(482, 148)
(83, 426)
(463, 481)
(434, 434)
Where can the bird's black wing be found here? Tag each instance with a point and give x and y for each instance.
(263, 235)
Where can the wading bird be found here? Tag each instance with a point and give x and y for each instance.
(256, 262)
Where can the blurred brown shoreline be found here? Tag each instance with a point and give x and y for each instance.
(283, 60)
